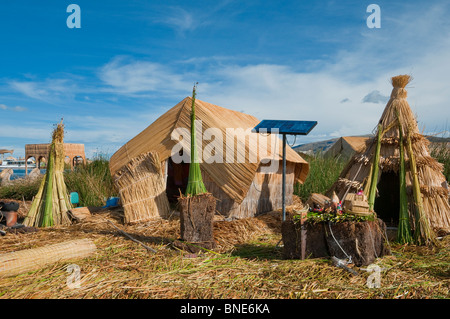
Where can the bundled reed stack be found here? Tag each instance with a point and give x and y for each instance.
(51, 204)
(398, 139)
(22, 261)
(142, 187)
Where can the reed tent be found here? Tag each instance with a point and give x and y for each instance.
(242, 187)
(432, 182)
(347, 146)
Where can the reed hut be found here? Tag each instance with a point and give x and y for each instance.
(433, 186)
(347, 146)
(72, 153)
(242, 188)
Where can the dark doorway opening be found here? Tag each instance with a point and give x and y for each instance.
(177, 179)
(387, 204)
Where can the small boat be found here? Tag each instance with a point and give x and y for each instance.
(20, 163)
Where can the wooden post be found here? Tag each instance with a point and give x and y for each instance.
(283, 186)
(196, 221)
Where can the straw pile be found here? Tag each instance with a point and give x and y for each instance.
(141, 186)
(52, 202)
(431, 181)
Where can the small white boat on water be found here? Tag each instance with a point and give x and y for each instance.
(14, 164)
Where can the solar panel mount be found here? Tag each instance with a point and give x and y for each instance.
(284, 127)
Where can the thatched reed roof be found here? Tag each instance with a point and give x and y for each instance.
(347, 146)
(3, 151)
(234, 178)
(435, 195)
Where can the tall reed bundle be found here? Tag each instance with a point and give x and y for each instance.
(423, 233)
(425, 183)
(404, 227)
(195, 184)
(51, 204)
(141, 186)
(374, 171)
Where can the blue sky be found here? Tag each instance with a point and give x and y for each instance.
(133, 60)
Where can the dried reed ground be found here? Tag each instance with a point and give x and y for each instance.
(246, 264)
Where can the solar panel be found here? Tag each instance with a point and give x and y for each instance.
(286, 127)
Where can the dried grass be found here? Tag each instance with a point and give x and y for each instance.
(401, 81)
(247, 264)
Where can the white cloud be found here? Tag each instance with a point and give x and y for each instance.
(13, 108)
(19, 108)
(181, 20)
(129, 77)
(51, 90)
(278, 92)
(375, 97)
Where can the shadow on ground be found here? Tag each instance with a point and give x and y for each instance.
(258, 251)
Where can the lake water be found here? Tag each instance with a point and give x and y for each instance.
(20, 173)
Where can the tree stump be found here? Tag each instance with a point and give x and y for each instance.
(363, 241)
(196, 222)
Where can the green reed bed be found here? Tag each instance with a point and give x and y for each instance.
(323, 172)
(92, 182)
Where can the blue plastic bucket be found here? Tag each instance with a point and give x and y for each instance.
(112, 201)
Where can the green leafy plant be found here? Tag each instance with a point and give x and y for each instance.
(319, 217)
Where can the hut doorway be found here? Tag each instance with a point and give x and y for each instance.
(387, 204)
(177, 179)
